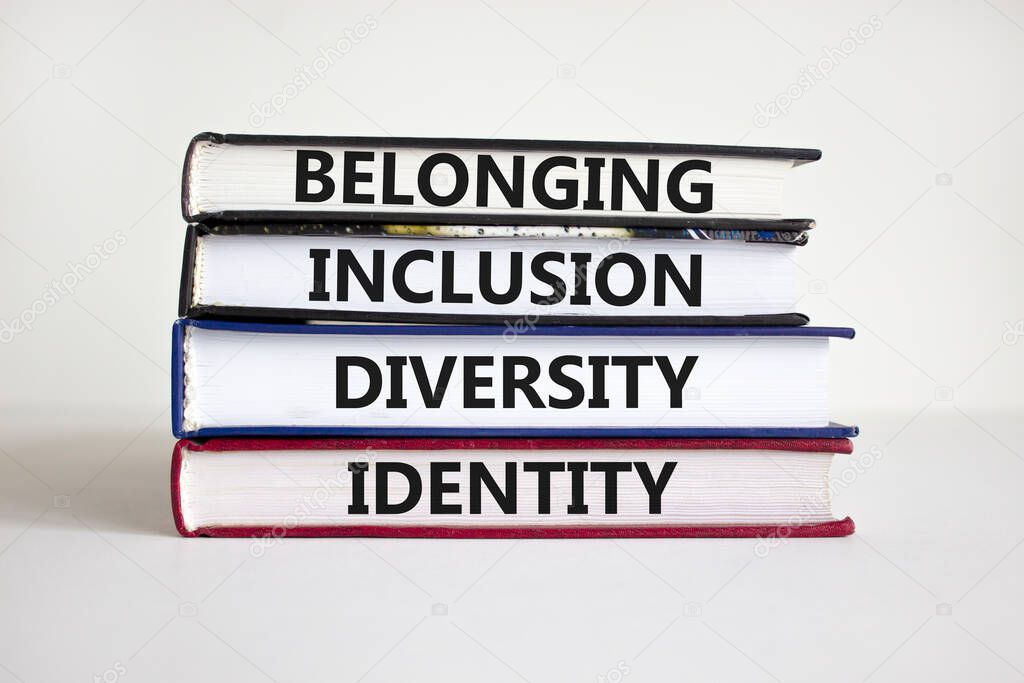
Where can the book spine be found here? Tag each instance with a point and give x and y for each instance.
(186, 174)
(442, 218)
(796, 154)
(188, 262)
(229, 444)
(833, 431)
(178, 378)
(300, 314)
(176, 460)
(836, 528)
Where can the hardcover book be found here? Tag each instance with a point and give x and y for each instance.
(466, 338)
(491, 274)
(469, 181)
(473, 488)
(259, 379)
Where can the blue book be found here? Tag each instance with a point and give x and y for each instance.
(513, 380)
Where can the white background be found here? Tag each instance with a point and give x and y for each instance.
(918, 246)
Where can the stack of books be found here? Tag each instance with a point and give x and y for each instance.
(496, 338)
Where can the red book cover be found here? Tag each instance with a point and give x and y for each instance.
(226, 446)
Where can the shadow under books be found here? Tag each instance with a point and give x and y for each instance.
(102, 478)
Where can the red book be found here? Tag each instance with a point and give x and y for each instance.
(506, 488)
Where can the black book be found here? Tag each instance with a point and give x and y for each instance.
(517, 276)
(472, 181)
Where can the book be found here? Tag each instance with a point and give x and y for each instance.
(468, 181)
(470, 274)
(468, 338)
(506, 488)
(234, 378)
(787, 231)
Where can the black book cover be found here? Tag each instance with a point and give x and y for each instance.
(190, 309)
(798, 155)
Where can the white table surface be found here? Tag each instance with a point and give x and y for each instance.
(928, 588)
